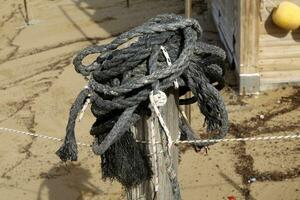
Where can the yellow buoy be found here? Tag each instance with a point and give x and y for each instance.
(287, 15)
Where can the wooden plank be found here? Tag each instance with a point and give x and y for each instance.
(271, 80)
(278, 43)
(169, 112)
(283, 64)
(248, 47)
(280, 76)
(267, 38)
(249, 36)
(260, 46)
(279, 52)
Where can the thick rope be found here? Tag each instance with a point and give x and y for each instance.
(121, 79)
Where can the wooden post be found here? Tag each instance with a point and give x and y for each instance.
(188, 8)
(169, 112)
(26, 12)
(188, 14)
(128, 3)
(249, 39)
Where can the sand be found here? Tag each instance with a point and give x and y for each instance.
(38, 85)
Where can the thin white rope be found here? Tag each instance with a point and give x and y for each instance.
(247, 139)
(168, 59)
(154, 106)
(166, 54)
(86, 104)
(147, 142)
(9, 130)
(160, 101)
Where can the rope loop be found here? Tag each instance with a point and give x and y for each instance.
(164, 52)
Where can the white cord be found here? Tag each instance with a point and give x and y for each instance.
(168, 59)
(247, 139)
(264, 138)
(9, 130)
(161, 121)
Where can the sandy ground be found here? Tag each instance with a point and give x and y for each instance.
(38, 84)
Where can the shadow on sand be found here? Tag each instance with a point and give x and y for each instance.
(63, 182)
(116, 17)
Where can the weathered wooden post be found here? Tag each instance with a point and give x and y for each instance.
(145, 191)
(188, 14)
(26, 12)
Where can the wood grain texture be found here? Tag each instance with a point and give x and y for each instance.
(188, 14)
(257, 45)
(279, 50)
(169, 112)
(249, 33)
(275, 79)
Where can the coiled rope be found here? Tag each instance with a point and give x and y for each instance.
(121, 79)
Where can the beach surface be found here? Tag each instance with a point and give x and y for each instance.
(38, 85)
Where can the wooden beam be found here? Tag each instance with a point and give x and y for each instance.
(248, 46)
(275, 79)
(188, 14)
(188, 8)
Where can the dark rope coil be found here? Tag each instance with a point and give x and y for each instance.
(121, 79)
